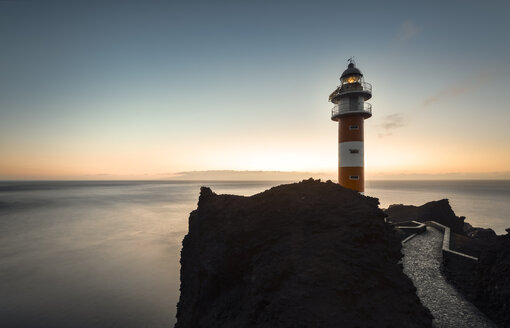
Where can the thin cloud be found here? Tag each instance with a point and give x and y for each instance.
(457, 90)
(452, 91)
(390, 123)
(407, 31)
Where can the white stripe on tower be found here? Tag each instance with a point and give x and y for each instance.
(351, 154)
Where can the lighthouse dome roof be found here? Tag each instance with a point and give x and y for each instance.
(351, 70)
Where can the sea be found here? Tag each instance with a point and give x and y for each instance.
(106, 253)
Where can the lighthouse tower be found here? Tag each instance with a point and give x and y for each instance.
(350, 111)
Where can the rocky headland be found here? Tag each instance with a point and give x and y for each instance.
(314, 254)
(309, 254)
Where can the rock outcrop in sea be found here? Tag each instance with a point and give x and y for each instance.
(309, 254)
(439, 211)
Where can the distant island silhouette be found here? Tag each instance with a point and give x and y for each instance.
(250, 175)
(247, 175)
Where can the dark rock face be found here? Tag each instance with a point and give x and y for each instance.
(309, 254)
(483, 235)
(490, 288)
(439, 211)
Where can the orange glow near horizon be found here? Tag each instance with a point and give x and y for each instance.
(382, 160)
(407, 152)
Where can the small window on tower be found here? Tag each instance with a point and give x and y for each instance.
(354, 151)
(353, 127)
(353, 177)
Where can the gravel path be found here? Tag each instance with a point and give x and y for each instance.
(422, 258)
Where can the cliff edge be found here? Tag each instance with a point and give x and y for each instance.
(309, 254)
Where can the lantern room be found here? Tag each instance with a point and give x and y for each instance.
(351, 75)
(350, 96)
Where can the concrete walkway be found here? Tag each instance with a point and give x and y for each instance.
(422, 258)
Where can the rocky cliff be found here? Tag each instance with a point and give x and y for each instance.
(486, 283)
(309, 254)
(491, 292)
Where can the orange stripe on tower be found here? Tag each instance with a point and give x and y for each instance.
(345, 174)
(351, 129)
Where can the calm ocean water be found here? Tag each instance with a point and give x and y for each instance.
(106, 254)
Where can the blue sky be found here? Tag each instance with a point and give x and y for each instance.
(145, 88)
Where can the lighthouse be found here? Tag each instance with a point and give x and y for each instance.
(350, 111)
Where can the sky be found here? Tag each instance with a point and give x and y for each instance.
(147, 89)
